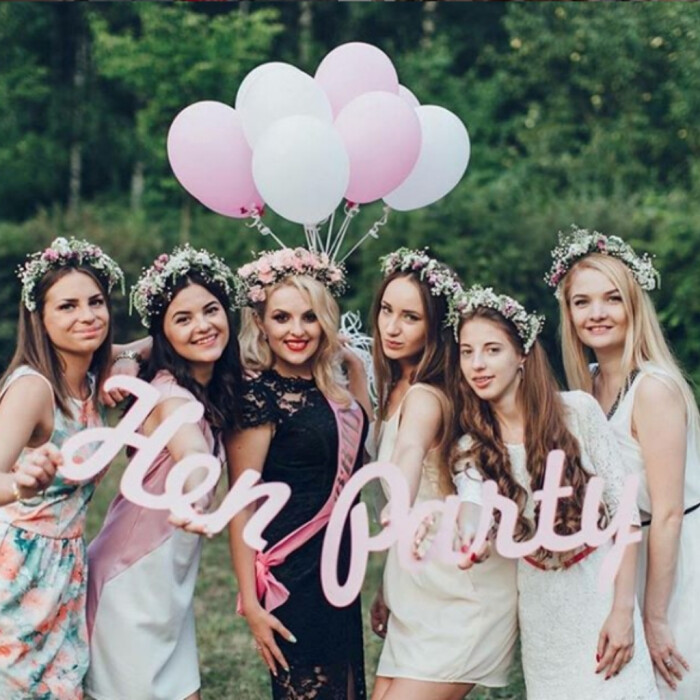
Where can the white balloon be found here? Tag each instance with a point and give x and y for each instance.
(253, 75)
(301, 169)
(443, 158)
(281, 93)
(408, 97)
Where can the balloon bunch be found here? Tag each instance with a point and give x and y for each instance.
(301, 145)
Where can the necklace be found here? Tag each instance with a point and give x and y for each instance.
(622, 392)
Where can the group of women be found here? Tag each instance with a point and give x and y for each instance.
(465, 395)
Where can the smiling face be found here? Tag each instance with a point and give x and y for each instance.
(292, 329)
(402, 321)
(488, 360)
(597, 310)
(75, 314)
(196, 326)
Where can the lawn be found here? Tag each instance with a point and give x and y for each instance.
(230, 668)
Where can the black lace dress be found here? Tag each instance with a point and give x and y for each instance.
(327, 662)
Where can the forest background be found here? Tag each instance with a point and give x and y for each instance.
(577, 112)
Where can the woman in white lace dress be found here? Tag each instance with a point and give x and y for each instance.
(602, 287)
(576, 642)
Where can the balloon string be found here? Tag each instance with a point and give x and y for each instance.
(313, 237)
(329, 235)
(373, 232)
(351, 212)
(256, 223)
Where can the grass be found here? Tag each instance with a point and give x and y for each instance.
(229, 667)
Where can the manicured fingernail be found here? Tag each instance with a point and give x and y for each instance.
(286, 668)
(292, 638)
(464, 548)
(473, 557)
(597, 658)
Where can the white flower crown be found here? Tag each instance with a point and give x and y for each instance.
(150, 294)
(439, 278)
(528, 325)
(64, 252)
(580, 242)
(273, 266)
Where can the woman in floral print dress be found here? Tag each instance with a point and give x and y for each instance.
(48, 394)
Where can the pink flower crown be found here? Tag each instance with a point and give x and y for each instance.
(151, 293)
(64, 252)
(439, 278)
(528, 325)
(273, 266)
(579, 243)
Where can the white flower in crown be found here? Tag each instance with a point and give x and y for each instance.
(580, 242)
(439, 278)
(273, 266)
(528, 325)
(64, 252)
(152, 291)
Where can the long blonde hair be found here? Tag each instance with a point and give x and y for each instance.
(256, 353)
(644, 340)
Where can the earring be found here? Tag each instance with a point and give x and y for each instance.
(264, 336)
(521, 370)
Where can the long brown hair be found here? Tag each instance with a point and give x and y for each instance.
(545, 429)
(431, 365)
(34, 348)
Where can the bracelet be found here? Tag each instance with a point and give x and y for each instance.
(129, 355)
(15, 491)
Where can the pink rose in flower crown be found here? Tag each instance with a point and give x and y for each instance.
(267, 276)
(257, 295)
(335, 275)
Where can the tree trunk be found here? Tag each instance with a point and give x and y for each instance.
(137, 185)
(306, 20)
(75, 176)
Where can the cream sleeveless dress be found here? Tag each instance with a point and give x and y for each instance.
(446, 625)
(684, 605)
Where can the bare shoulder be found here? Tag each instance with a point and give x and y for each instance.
(658, 392)
(424, 398)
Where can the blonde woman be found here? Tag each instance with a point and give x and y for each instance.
(607, 315)
(301, 426)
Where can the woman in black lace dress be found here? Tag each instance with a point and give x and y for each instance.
(301, 427)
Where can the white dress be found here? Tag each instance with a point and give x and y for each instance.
(561, 611)
(684, 604)
(446, 625)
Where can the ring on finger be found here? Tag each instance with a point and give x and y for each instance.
(668, 662)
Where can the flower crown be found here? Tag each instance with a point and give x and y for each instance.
(150, 294)
(273, 266)
(580, 242)
(64, 252)
(439, 278)
(527, 324)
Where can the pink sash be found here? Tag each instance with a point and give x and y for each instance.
(349, 422)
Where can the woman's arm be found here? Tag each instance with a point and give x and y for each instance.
(421, 422)
(26, 416)
(247, 449)
(659, 421)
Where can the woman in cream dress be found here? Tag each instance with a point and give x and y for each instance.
(446, 629)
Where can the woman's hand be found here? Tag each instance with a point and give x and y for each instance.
(379, 614)
(662, 647)
(188, 525)
(122, 365)
(464, 544)
(615, 642)
(263, 625)
(37, 470)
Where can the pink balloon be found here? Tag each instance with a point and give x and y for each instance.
(407, 96)
(353, 69)
(212, 159)
(382, 136)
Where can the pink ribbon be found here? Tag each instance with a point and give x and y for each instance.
(267, 587)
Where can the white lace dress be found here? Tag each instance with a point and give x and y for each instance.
(561, 611)
(684, 604)
(446, 624)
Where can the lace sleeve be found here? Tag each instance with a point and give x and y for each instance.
(257, 406)
(600, 445)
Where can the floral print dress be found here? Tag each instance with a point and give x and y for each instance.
(43, 571)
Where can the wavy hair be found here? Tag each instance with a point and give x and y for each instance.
(325, 367)
(644, 340)
(545, 429)
(35, 349)
(222, 395)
